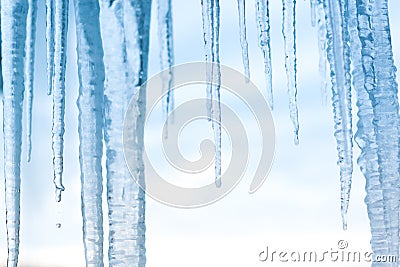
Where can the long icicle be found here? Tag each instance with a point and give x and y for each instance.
(263, 23)
(380, 83)
(289, 36)
(125, 57)
(243, 38)
(339, 59)
(29, 70)
(60, 50)
(13, 36)
(90, 104)
(165, 38)
(365, 138)
(50, 44)
(210, 13)
(322, 50)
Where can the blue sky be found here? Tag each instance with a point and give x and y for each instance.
(298, 207)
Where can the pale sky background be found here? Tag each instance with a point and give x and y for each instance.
(297, 208)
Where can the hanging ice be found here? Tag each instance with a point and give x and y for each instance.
(243, 38)
(165, 38)
(365, 137)
(262, 9)
(60, 50)
(90, 104)
(50, 43)
(339, 60)
(289, 36)
(13, 36)
(380, 83)
(29, 68)
(125, 58)
(322, 50)
(210, 14)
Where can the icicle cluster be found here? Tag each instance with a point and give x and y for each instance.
(125, 65)
(112, 48)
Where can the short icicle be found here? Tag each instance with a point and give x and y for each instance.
(322, 51)
(165, 38)
(243, 37)
(264, 39)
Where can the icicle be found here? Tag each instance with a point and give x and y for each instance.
(380, 83)
(263, 22)
(90, 104)
(125, 58)
(50, 43)
(289, 35)
(165, 38)
(60, 45)
(29, 68)
(243, 38)
(313, 7)
(339, 59)
(13, 36)
(365, 138)
(322, 50)
(210, 13)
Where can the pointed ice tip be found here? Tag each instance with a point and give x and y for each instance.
(58, 194)
(49, 88)
(218, 182)
(28, 157)
(296, 139)
(344, 221)
(271, 103)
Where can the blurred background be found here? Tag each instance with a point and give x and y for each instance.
(297, 208)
